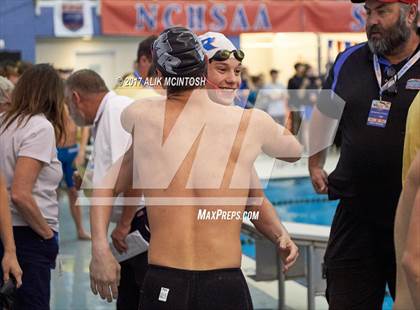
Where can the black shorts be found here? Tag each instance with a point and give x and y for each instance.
(134, 269)
(359, 261)
(170, 288)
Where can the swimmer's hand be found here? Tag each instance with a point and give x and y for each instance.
(319, 178)
(288, 251)
(118, 237)
(104, 274)
(11, 266)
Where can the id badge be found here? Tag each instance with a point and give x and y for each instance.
(378, 114)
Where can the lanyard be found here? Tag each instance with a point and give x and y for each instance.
(390, 83)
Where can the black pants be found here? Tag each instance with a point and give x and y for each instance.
(359, 261)
(134, 269)
(36, 257)
(176, 289)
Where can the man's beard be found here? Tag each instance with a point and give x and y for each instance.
(77, 118)
(392, 39)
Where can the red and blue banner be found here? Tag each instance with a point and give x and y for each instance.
(132, 17)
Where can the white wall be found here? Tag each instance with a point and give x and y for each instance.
(62, 53)
(265, 51)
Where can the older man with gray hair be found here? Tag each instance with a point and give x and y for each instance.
(6, 88)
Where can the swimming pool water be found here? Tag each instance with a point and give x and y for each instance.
(296, 201)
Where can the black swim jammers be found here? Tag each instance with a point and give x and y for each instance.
(170, 288)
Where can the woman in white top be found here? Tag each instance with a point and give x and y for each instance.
(28, 158)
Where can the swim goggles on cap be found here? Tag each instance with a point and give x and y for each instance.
(223, 55)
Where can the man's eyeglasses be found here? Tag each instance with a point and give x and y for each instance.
(391, 73)
(223, 55)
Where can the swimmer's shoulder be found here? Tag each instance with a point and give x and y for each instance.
(145, 104)
(258, 120)
(139, 107)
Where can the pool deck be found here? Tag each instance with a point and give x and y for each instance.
(265, 295)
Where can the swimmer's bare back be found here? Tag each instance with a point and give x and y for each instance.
(194, 156)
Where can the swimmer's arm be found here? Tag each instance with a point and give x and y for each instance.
(25, 175)
(411, 255)
(268, 222)
(278, 142)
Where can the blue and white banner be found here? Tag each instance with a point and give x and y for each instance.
(73, 19)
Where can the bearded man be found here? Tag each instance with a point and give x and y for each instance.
(378, 80)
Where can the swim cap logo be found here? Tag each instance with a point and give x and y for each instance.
(207, 43)
(165, 60)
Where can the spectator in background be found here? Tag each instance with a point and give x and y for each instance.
(68, 151)
(9, 70)
(133, 85)
(328, 67)
(28, 133)
(296, 99)
(309, 91)
(242, 93)
(257, 84)
(22, 66)
(84, 132)
(275, 97)
(6, 88)
(244, 79)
